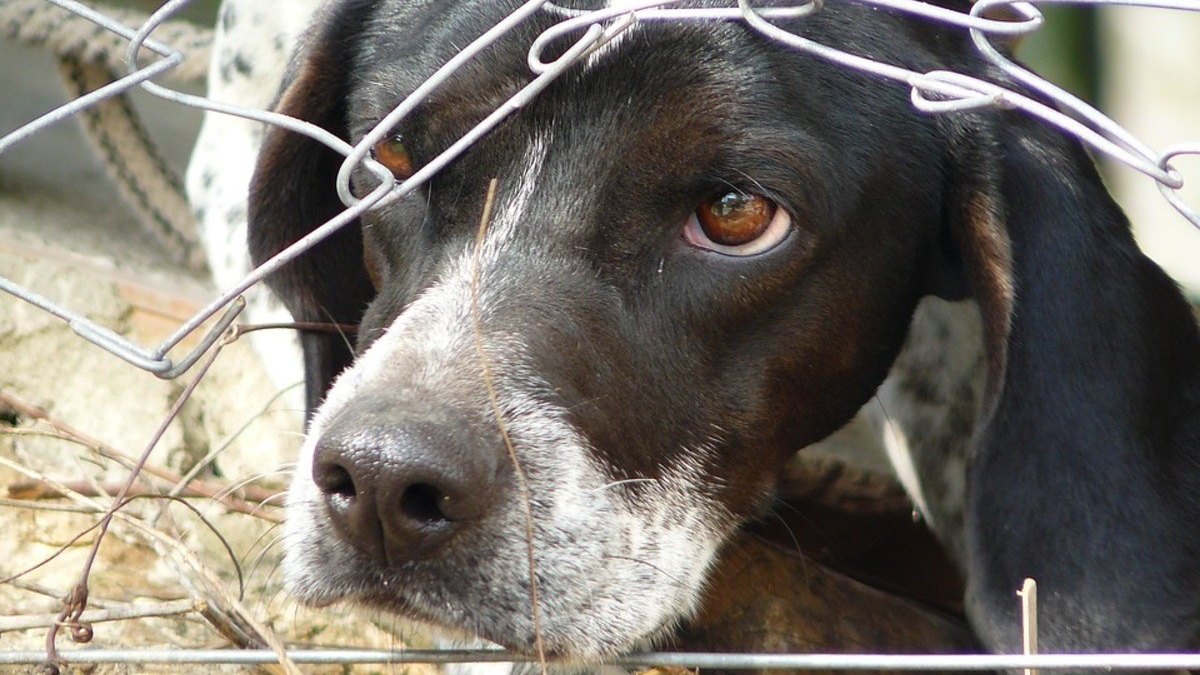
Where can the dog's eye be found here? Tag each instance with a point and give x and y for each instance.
(737, 223)
(392, 153)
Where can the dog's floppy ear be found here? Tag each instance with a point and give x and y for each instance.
(1094, 368)
(293, 192)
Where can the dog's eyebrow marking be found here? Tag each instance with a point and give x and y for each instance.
(510, 210)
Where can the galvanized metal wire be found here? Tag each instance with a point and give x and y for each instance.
(921, 662)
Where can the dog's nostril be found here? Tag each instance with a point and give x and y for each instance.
(401, 491)
(334, 479)
(423, 503)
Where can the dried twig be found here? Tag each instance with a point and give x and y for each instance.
(246, 499)
(230, 618)
(185, 481)
(29, 490)
(223, 612)
(77, 599)
(489, 383)
(138, 611)
(44, 506)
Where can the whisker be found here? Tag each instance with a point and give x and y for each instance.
(626, 481)
(647, 563)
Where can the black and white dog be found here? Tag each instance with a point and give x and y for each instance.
(705, 253)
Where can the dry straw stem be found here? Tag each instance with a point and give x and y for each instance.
(224, 612)
(489, 382)
(30, 490)
(138, 611)
(185, 482)
(229, 618)
(247, 499)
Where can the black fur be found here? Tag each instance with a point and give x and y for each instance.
(1085, 468)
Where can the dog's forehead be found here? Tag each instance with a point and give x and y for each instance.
(642, 128)
(406, 44)
(696, 69)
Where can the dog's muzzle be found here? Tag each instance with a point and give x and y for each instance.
(426, 489)
(400, 490)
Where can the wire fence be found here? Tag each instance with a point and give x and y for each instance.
(150, 57)
(649, 660)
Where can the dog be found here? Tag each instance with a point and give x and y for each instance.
(251, 44)
(705, 252)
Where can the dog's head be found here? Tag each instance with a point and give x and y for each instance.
(703, 255)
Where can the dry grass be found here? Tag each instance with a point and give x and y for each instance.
(191, 556)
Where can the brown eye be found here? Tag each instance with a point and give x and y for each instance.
(738, 224)
(392, 153)
(735, 218)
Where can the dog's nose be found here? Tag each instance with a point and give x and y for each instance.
(399, 492)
